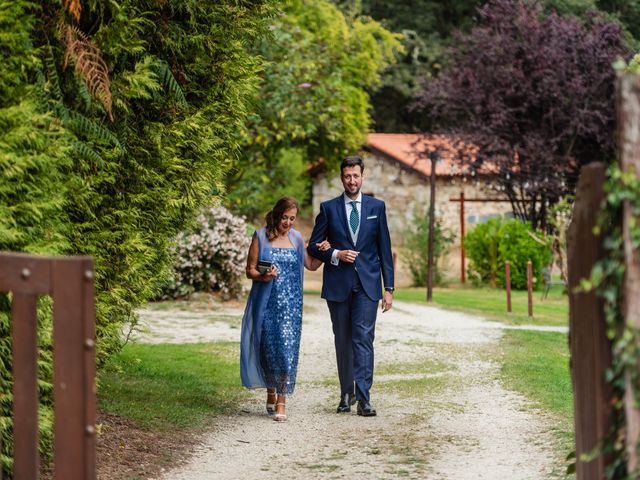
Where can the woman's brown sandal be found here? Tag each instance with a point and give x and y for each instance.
(280, 417)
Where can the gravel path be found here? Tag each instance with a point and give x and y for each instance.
(442, 412)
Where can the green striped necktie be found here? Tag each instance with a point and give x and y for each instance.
(354, 218)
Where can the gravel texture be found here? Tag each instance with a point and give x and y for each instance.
(442, 411)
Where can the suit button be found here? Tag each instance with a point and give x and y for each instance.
(355, 268)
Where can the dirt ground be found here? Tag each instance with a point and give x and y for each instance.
(442, 410)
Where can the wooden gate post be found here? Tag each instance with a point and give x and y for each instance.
(74, 368)
(69, 280)
(629, 140)
(588, 342)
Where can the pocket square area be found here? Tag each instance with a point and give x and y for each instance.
(370, 217)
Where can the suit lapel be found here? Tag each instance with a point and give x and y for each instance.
(343, 217)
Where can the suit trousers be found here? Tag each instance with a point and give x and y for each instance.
(354, 324)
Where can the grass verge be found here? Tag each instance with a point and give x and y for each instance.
(537, 364)
(163, 387)
(491, 303)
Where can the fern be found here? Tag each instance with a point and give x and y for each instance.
(81, 125)
(84, 94)
(170, 83)
(74, 7)
(87, 152)
(52, 73)
(72, 120)
(88, 64)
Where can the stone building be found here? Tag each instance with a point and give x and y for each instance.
(397, 170)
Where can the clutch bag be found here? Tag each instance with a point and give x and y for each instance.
(264, 267)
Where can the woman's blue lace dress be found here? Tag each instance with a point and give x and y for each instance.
(282, 323)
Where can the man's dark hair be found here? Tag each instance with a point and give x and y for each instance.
(352, 161)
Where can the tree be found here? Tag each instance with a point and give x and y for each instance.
(426, 27)
(536, 95)
(313, 100)
(118, 120)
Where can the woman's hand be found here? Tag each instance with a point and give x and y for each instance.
(270, 275)
(312, 263)
(323, 246)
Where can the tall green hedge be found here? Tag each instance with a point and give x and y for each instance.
(182, 81)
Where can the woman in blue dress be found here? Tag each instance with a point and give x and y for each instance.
(271, 326)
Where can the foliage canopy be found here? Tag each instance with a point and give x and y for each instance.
(536, 94)
(429, 28)
(313, 102)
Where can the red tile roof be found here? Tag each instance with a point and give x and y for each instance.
(412, 150)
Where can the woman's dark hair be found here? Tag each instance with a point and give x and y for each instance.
(273, 217)
(352, 161)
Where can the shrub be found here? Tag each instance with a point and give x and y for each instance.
(210, 257)
(416, 241)
(481, 246)
(491, 244)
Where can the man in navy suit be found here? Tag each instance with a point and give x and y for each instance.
(359, 259)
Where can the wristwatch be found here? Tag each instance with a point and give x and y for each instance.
(389, 289)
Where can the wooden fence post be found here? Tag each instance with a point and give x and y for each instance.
(588, 342)
(462, 254)
(529, 288)
(507, 274)
(629, 145)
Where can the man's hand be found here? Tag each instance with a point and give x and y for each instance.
(347, 256)
(387, 301)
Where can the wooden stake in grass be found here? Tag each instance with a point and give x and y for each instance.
(530, 287)
(507, 273)
(434, 157)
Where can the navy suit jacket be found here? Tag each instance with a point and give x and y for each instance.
(373, 243)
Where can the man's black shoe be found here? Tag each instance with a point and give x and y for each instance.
(365, 409)
(346, 401)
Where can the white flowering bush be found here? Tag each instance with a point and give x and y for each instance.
(211, 257)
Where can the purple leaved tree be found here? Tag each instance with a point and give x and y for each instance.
(535, 94)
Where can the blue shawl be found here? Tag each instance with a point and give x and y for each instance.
(250, 369)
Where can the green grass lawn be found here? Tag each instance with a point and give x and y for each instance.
(537, 364)
(162, 387)
(492, 303)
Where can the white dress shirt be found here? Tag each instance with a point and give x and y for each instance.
(347, 208)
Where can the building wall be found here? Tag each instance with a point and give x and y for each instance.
(406, 192)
